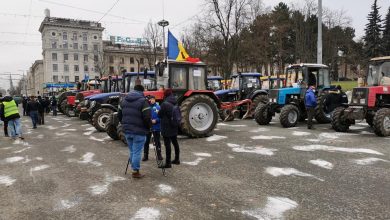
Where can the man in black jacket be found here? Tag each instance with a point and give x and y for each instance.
(335, 99)
(135, 116)
(32, 109)
(41, 111)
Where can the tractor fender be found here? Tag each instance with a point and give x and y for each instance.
(109, 106)
(258, 92)
(203, 92)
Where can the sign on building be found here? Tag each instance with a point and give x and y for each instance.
(129, 41)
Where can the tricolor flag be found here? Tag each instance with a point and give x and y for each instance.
(176, 50)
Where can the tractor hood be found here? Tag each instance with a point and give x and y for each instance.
(103, 96)
(224, 92)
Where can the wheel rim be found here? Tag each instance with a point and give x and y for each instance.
(386, 123)
(102, 120)
(201, 116)
(292, 116)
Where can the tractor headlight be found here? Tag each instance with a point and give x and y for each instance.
(270, 100)
(363, 101)
(355, 101)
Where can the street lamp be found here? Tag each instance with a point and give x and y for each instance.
(163, 23)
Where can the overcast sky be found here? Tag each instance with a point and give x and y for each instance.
(20, 42)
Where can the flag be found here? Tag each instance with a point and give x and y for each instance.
(177, 52)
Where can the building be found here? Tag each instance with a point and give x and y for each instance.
(35, 79)
(70, 49)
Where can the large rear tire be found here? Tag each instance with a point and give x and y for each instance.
(262, 114)
(200, 115)
(382, 122)
(111, 129)
(259, 99)
(322, 116)
(289, 116)
(100, 118)
(62, 106)
(339, 123)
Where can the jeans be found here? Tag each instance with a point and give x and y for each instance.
(54, 110)
(14, 127)
(136, 144)
(167, 143)
(310, 115)
(34, 118)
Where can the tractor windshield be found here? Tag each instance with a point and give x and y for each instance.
(323, 78)
(235, 83)
(149, 84)
(379, 74)
(197, 78)
(251, 82)
(294, 75)
(214, 84)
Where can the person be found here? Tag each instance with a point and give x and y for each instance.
(311, 104)
(135, 116)
(41, 111)
(47, 105)
(155, 108)
(32, 109)
(169, 129)
(10, 112)
(24, 105)
(336, 98)
(5, 123)
(54, 105)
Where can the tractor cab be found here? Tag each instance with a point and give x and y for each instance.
(272, 82)
(242, 86)
(214, 83)
(111, 84)
(289, 101)
(131, 78)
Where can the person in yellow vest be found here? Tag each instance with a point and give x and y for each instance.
(10, 112)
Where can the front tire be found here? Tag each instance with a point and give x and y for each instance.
(262, 114)
(259, 99)
(289, 116)
(382, 122)
(111, 128)
(200, 115)
(322, 116)
(339, 123)
(100, 118)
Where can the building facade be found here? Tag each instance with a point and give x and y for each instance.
(35, 79)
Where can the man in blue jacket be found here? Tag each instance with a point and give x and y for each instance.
(155, 108)
(134, 114)
(311, 104)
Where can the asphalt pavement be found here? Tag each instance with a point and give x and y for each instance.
(65, 169)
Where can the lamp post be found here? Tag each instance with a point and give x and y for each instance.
(319, 39)
(163, 23)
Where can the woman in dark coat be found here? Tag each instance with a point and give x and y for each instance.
(169, 129)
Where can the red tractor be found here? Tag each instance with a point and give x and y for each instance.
(371, 102)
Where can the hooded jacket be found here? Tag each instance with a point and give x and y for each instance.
(310, 99)
(168, 129)
(134, 114)
(14, 114)
(155, 108)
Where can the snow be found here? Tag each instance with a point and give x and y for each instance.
(99, 139)
(333, 149)
(255, 149)
(6, 180)
(86, 159)
(279, 171)
(301, 133)
(195, 162)
(259, 130)
(223, 124)
(322, 163)
(165, 189)
(263, 137)
(67, 204)
(274, 209)
(70, 149)
(369, 161)
(146, 213)
(202, 154)
(13, 159)
(20, 151)
(38, 168)
(100, 189)
(215, 138)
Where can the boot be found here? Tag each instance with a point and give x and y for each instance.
(136, 174)
(146, 158)
(166, 165)
(176, 161)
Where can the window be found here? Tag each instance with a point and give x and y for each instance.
(85, 36)
(65, 36)
(141, 61)
(55, 78)
(95, 47)
(75, 57)
(54, 56)
(132, 69)
(66, 68)
(111, 59)
(74, 36)
(65, 45)
(131, 60)
(55, 67)
(85, 57)
(54, 45)
(178, 81)
(111, 70)
(141, 69)
(66, 57)
(95, 37)
(85, 47)
(53, 34)
(86, 68)
(67, 79)
(95, 58)
(122, 60)
(76, 78)
(76, 68)
(75, 46)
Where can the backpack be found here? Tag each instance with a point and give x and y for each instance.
(176, 115)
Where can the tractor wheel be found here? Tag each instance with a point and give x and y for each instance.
(121, 134)
(322, 116)
(200, 115)
(111, 129)
(339, 123)
(100, 118)
(62, 106)
(289, 116)
(382, 122)
(262, 114)
(370, 119)
(257, 100)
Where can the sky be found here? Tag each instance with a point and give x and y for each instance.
(20, 41)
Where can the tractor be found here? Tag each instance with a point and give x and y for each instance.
(102, 105)
(371, 102)
(242, 96)
(289, 101)
(214, 83)
(199, 106)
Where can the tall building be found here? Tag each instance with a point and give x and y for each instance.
(70, 49)
(35, 81)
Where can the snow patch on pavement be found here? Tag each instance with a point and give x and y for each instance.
(60, 134)
(99, 139)
(274, 209)
(146, 213)
(223, 124)
(64, 204)
(263, 137)
(39, 168)
(215, 138)
(287, 171)
(322, 163)
(255, 150)
(259, 130)
(20, 151)
(366, 132)
(6, 180)
(70, 129)
(21, 142)
(165, 189)
(86, 159)
(301, 133)
(39, 158)
(40, 136)
(354, 127)
(89, 131)
(101, 189)
(369, 161)
(51, 127)
(202, 154)
(70, 149)
(13, 159)
(316, 147)
(195, 162)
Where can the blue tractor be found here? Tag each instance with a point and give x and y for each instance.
(214, 83)
(289, 101)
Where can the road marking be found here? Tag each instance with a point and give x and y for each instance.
(333, 149)
(100, 189)
(69, 149)
(322, 163)
(287, 171)
(86, 159)
(202, 154)
(147, 213)
(263, 137)
(215, 138)
(255, 150)
(13, 159)
(369, 161)
(274, 209)
(195, 162)
(165, 189)
(6, 180)
(301, 133)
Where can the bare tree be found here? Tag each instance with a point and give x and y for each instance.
(152, 50)
(100, 63)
